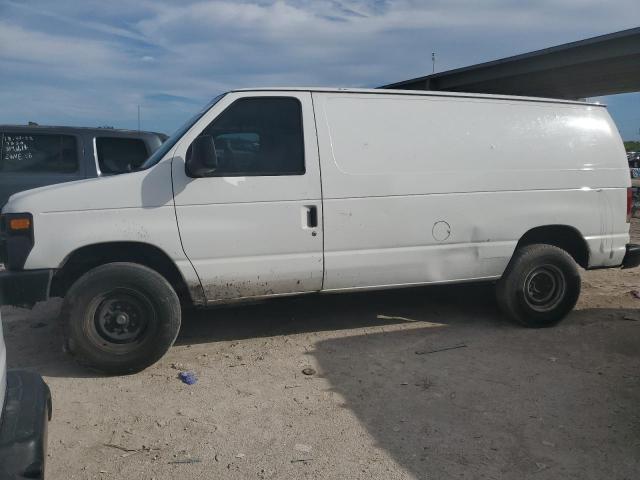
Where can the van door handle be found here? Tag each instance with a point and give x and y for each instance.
(312, 216)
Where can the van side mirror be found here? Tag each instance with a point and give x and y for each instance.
(202, 160)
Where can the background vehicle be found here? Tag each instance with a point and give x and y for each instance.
(233, 207)
(33, 156)
(25, 410)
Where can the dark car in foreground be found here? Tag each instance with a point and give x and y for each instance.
(34, 156)
(25, 411)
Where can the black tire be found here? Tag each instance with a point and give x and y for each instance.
(540, 286)
(120, 318)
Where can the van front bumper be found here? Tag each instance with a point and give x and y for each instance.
(23, 426)
(632, 256)
(24, 288)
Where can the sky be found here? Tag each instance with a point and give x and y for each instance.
(91, 62)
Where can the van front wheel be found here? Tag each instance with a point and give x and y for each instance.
(540, 286)
(120, 317)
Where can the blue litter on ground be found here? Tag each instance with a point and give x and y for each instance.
(188, 377)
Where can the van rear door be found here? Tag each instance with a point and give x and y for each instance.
(254, 226)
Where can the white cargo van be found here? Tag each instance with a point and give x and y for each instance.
(274, 192)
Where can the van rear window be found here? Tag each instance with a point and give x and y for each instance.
(120, 155)
(38, 153)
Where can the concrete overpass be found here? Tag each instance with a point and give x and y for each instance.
(603, 65)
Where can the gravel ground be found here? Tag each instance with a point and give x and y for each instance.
(417, 383)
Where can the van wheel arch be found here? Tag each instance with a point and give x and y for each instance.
(565, 237)
(85, 258)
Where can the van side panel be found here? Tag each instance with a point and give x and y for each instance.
(437, 189)
(140, 210)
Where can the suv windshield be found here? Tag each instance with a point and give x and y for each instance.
(173, 139)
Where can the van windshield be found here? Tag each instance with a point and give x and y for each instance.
(170, 142)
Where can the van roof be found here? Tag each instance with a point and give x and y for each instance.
(429, 93)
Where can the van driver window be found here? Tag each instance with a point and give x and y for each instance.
(259, 137)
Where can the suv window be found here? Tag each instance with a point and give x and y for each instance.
(38, 153)
(120, 155)
(259, 137)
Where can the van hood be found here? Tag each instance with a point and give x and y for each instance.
(145, 189)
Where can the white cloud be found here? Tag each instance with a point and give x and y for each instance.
(90, 60)
(22, 45)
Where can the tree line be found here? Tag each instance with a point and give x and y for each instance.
(632, 146)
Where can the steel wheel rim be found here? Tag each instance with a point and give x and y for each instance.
(544, 288)
(119, 319)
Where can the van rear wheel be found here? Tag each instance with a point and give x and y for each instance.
(120, 317)
(540, 286)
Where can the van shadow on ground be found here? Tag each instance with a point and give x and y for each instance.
(469, 313)
(510, 403)
(316, 313)
(34, 337)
